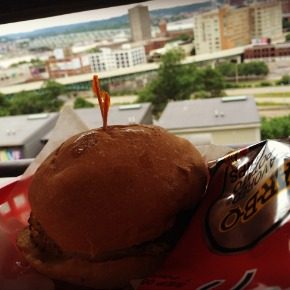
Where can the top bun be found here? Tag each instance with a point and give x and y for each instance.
(105, 190)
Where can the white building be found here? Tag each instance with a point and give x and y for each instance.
(267, 20)
(229, 27)
(126, 56)
(207, 32)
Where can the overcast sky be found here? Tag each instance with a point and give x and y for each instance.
(105, 13)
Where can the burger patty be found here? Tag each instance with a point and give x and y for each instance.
(161, 245)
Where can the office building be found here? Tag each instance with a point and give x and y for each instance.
(236, 29)
(266, 20)
(140, 23)
(223, 28)
(126, 56)
(228, 27)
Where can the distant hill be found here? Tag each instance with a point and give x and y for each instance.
(172, 13)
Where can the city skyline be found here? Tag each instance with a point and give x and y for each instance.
(86, 16)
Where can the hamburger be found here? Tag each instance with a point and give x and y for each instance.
(109, 204)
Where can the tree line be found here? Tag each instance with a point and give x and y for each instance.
(46, 99)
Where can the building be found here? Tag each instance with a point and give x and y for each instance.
(268, 53)
(118, 115)
(266, 20)
(223, 28)
(20, 136)
(140, 23)
(173, 29)
(155, 43)
(14, 75)
(207, 33)
(285, 7)
(126, 56)
(235, 27)
(228, 26)
(64, 63)
(221, 121)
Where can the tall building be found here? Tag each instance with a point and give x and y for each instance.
(223, 28)
(229, 27)
(266, 20)
(236, 29)
(207, 32)
(140, 23)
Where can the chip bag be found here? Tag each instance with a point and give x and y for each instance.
(239, 235)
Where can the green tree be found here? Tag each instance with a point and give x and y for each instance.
(278, 127)
(26, 103)
(286, 24)
(53, 88)
(44, 100)
(82, 103)
(177, 81)
(210, 81)
(4, 105)
(174, 81)
(257, 68)
(287, 37)
(50, 93)
(227, 69)
(285, 80)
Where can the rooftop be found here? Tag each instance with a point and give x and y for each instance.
(215, 112)
(125, 114)
(16, 130)
(118, 115)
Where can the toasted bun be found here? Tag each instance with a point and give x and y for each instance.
(98, 275)
(103, 191)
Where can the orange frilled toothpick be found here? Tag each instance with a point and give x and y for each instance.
(103, 99)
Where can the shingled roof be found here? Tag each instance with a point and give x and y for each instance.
(215, 112)
(118, 115)
(16, 130)
(124, 114)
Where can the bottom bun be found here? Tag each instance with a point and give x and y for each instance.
(98, 275)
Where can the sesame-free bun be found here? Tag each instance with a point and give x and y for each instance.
(112, 274)
(106, 190)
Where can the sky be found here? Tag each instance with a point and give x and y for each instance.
(86, 16)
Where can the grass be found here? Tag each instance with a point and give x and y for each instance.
(273, 95)
(270, 104)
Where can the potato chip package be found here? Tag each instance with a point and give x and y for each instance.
(239, 236)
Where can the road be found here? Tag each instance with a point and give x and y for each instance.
(283, 104)
(261, 90)
(116, 100)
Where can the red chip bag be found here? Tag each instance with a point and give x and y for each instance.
(239, 237)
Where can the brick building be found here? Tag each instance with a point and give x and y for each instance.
(268, 53)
